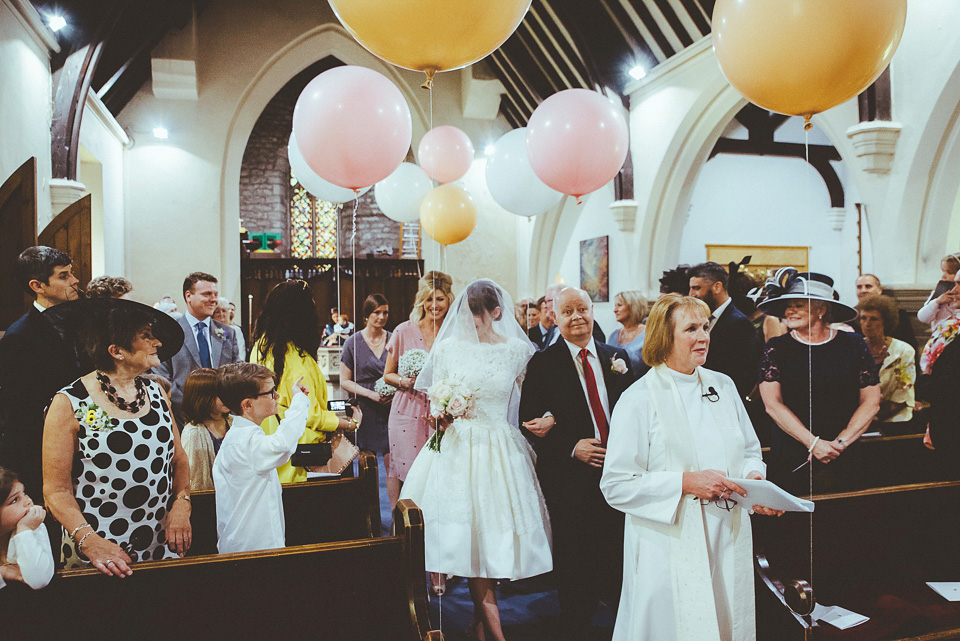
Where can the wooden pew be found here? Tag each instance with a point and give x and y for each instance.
(334, 509)
(867, 545)
(371, 589)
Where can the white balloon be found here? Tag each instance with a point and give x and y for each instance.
(511, 180)
(315, 184)
(399, 195)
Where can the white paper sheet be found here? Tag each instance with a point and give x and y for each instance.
(316, 476)
(838, 617)
(769, 495)
(949, 590)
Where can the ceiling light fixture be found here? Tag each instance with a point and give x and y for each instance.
(56, 23)
(160, 133)
(637, 72)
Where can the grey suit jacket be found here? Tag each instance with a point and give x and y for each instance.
(223, 349)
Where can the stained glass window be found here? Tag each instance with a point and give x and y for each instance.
(313, 224)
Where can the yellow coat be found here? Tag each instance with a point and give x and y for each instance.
(320, 420)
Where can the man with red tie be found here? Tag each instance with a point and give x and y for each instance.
(568, 396)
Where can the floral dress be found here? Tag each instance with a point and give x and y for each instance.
(123, 477)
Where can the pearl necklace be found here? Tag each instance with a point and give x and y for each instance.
(111, 393)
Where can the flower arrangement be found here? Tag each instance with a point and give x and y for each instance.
(384, 389)
(411, 362)
(218, 331)
(618, 366)
(449, 399)
(92, 417)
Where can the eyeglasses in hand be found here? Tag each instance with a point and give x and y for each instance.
(724, 504)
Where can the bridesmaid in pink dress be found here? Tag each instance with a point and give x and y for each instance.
(408, 427)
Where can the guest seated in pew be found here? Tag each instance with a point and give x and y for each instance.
(879, 316)
(24, 545)
(249, 504)
(819, 384)
(678, 437)
(114, 473)
(208, 420)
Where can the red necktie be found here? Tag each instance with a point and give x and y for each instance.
(595, 406)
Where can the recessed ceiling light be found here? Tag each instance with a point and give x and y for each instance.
(160, 133)
(56, 23)
(637, 72)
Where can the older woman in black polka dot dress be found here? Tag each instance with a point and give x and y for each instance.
(114, 473)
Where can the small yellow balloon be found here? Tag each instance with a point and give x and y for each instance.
(448, 214)
(802, 57)
(430, 35)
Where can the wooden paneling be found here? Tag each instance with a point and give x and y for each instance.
(18, 220)
(70, 232)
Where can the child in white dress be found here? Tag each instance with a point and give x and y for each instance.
(25, 554)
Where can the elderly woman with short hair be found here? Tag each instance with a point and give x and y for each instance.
(819, 385)
(630, 310)
(114, 473)
(678, 438)
(896, 360)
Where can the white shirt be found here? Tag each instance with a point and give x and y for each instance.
(596, 366)
(39, 307)
(193, 320)
(30, 550)
(715, 314)
(249, 502)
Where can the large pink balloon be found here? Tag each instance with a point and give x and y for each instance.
(445, 153)
(353, 126)
(577, 141)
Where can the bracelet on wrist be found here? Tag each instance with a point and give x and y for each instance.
(80, 544)
(73, 534)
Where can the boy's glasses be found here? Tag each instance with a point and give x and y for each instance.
(271, 393)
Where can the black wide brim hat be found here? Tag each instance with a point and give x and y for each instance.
(806, 286)
(71, 319)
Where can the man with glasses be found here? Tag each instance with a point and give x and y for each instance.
(249, 502)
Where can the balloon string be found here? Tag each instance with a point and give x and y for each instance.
(353, 250)
(339, 250)
(433, 294)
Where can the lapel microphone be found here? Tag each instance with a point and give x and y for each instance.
(711, 395)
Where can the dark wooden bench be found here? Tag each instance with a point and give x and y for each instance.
(370, 589)
(873, 552)
(334, 509)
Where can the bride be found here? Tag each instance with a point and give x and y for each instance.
(484, 513)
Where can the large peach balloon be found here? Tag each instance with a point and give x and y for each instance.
(430, 35)
(448, 214)
(801, 57)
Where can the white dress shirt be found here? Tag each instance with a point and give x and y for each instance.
(193, 320)
(596, 366)
(249, 501)
(715, 314)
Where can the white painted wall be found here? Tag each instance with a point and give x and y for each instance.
(25, 103)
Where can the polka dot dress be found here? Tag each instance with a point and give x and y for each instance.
(122, 479)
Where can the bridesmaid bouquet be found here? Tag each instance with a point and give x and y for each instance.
(411, 362)
(384, 389)
(448, 399)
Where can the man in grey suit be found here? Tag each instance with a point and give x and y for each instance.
(207, 343)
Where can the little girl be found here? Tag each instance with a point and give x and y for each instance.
(24, 545)
(943, 315)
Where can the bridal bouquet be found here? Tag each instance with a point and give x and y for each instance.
(448, 399)
(411, 362)
(384, 389)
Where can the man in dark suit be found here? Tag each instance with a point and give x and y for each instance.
(35, 363)
(538, 333)
(568, 396)
(733, 339)
(206, 343)
(869, 285)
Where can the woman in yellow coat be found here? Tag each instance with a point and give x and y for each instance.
(286, 340)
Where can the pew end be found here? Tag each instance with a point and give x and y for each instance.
(369, 589)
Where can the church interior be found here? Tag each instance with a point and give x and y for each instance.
(152, 138)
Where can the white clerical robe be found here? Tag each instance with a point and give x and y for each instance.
(643, 479)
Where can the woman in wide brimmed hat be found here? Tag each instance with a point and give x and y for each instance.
(114, 473)
(819, 385)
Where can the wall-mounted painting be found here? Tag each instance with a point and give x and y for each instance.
(595, 268)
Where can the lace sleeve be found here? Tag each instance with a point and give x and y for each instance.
(769, 369)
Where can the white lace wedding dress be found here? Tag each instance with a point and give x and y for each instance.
(483, 509)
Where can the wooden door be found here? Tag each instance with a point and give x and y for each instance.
(18, 230)
(70, 232)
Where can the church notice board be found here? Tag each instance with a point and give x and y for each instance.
(765, 259)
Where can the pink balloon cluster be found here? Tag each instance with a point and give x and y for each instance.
(577, 141)
(352, 126)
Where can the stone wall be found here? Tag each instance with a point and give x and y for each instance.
(265, 188)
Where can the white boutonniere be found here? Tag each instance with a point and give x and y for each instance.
(218, 331)
(92, 417)
(618, 366)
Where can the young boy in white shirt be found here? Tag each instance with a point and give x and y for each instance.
(249, 502)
